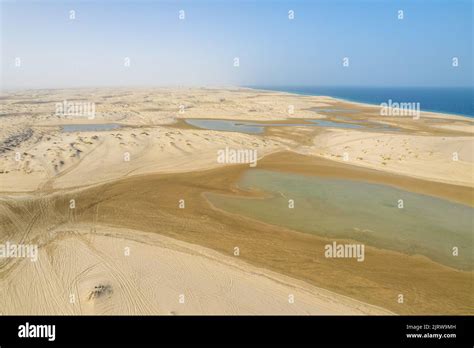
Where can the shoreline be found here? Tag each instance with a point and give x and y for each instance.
(230, 88)
(368, 104)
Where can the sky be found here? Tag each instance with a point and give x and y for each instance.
(55, 51)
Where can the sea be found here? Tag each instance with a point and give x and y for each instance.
(449, 100)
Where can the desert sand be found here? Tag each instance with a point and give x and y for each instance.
(127, 183)
(101, 270)
(157, 140)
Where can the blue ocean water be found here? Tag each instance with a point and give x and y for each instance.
(451, 100)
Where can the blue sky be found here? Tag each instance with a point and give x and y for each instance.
(273, 50)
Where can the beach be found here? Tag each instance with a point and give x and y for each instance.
(136, 177)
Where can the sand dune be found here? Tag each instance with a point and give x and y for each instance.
(443, 159)
(156, 140)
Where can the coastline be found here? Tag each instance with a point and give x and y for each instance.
(367, 103)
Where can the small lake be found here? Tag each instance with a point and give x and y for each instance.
(257, 128)
(365, 212)
(89, 127)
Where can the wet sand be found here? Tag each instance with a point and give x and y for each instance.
(150, 203)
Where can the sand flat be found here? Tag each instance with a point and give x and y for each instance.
(150, 203)
(91, 266)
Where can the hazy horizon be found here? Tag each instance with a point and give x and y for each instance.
(90, 50)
